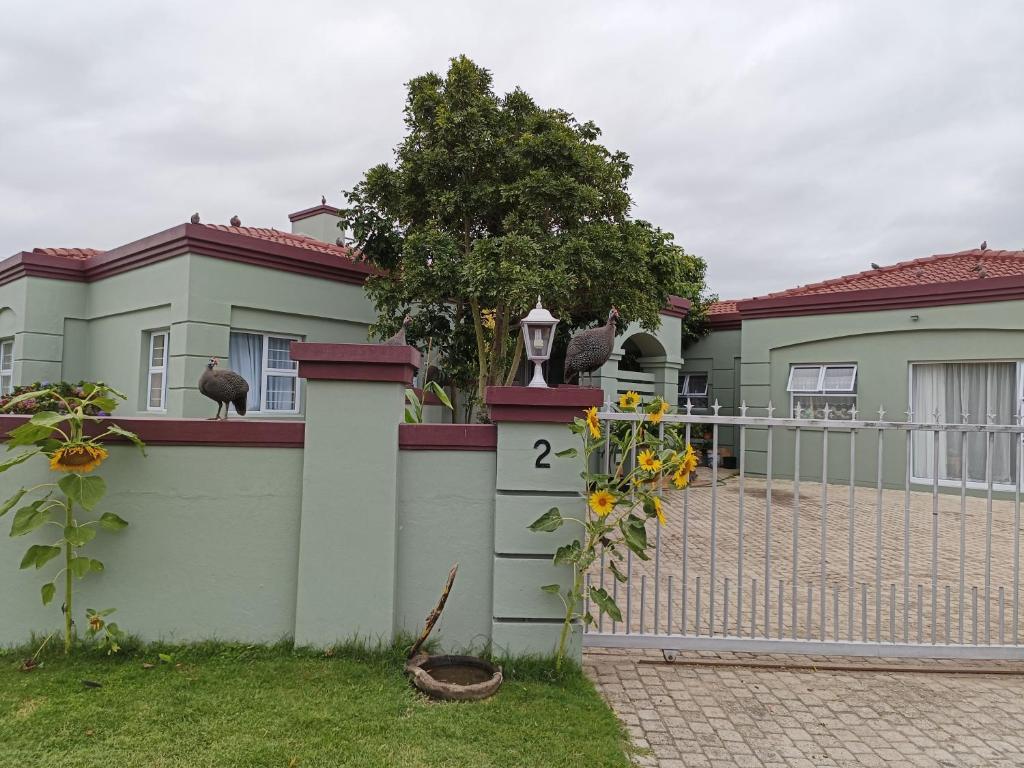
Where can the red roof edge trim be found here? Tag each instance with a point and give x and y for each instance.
(677, 307)
(309, 212)
(876, 299)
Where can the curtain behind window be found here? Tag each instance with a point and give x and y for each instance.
(245, 353)
(951, 390)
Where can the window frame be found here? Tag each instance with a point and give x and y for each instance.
(266, 372)
(973, 485)
(161, 369)
(819, 390)
(7, 373)
(685, 394)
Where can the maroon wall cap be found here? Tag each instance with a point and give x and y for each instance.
(235, 432)
(356, 362)
(447, 437)
(533, 404)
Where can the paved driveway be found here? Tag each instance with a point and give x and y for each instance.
(870, 610)
(735, 716)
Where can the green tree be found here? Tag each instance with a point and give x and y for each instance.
(493, 200)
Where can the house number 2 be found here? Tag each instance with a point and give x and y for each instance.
(545, 448)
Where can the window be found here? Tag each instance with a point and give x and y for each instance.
(6, 366)
(812, 387)
(156, 378)
(693, 387)
(944, 392)
(263, 360)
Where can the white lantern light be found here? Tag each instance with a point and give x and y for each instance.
(538, 337)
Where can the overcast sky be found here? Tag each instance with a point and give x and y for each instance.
(784, 142)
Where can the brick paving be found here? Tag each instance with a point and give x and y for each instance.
(868, 611)
(742, 717)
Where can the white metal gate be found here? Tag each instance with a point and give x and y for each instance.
(795, 562)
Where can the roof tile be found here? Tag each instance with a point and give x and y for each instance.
(78, 254)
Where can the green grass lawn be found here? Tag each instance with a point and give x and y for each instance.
(236, 706)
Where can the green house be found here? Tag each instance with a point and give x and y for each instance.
(937, 339)
(147, 316)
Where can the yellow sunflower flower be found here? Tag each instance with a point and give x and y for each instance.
(689, 462)
(681, 479)
(95, 622)
(657, 509)
(602, 502)
(649, 461)
(77, 457)
(660, 410)
(629, 401)
(593, 423)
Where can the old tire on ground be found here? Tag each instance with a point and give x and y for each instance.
(454, 678)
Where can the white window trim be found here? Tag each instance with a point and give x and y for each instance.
(819, 390)
(266, 372)
(695, 396)
(686, 384)
(162, 368)
(8, 372)
(973, 485)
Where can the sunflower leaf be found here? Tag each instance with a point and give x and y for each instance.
(131, 436)
(80, 566)
(112, 522)
(605, 603)
(85, 490)
(548, 522)
(39, 555)
(9, 504)
(28, 434)
(48, 591)
(78, 536)
(29, 518)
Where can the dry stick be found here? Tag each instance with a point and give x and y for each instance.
(435, 614)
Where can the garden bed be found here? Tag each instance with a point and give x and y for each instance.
(223, 705)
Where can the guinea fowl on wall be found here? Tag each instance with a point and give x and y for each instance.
(398, 340)
(589, 350)
(224, 386)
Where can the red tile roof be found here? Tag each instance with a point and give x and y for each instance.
(943, 268)
(289, 238)
(966, 277)
(723, 307)
(80, 254)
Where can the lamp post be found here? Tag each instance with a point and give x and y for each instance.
(538, 336)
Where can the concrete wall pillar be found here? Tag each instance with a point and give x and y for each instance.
(532, 428)
(347, 537)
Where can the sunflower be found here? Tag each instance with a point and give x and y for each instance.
(629, 401)
(656, 503)
(77, 457)
(681, 479)
(95, 622)
(689, 462)
(660, 409)
(649, 461)
(602, 502)
(593, 423)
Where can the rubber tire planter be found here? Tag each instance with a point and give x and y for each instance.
(422, 670)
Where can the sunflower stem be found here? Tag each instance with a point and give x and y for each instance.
(68, 580)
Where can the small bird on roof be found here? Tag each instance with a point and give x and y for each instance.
(984, 245)
(235, 221)
(195, 218)
(398, 340)
(323, 199)
(875, 266)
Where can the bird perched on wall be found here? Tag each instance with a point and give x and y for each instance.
(195, 218)
(235, 221)
(589, 350)
(875, 266)
(323, 199)
(223, 387)
(984, 245)
(398, 340)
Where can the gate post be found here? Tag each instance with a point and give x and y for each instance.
(355, 398)
(532, 428)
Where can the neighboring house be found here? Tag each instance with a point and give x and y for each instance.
(941, 338)
(146, 317)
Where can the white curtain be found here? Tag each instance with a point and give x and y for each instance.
(245, 352)
(944, 392)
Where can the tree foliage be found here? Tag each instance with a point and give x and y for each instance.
(493, 200)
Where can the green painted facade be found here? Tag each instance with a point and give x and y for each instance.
(883, 345)
(717, 355)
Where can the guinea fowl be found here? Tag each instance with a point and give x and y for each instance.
(590, 349)
(398, 340)
(223, 387)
